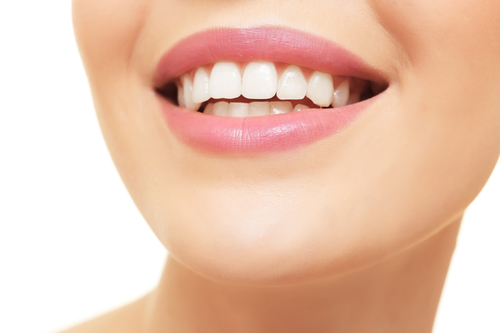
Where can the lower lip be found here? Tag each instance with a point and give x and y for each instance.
(273, 133)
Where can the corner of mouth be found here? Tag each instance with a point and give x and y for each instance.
(261, 88)
(257, 90)
(242, 69)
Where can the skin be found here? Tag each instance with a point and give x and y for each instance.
(351, 234)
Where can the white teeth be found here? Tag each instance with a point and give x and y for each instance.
(238, 109)
(320, 89)
(341, 95)
(209, 109)
(180, 97)
(280, 107)
(221, 109)
(260, 80)
(259, 109)
(225, 81)
(292, 84)
(300, 107)
(187, 88)
(201, 86)
(253, 109)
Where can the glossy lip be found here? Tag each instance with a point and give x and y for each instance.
(264, 133)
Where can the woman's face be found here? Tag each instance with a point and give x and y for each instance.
(410, 162)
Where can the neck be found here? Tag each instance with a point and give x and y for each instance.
(399, 294)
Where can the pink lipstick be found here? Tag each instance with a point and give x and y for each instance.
(272, 133)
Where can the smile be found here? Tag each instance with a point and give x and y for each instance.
(222, 90)
(261, 89)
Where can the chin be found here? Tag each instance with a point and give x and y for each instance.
(281, 244)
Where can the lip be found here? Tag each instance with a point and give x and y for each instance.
(271, 133)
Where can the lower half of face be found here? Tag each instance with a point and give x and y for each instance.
(269, 142)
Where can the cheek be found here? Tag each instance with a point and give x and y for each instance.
(106, 32)
(467, 29)
(452, 72)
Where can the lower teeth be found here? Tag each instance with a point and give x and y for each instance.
(242, 107)
(253, 109)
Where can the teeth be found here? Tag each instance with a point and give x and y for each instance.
(201, 86)
(221, 109)
(238, 109)
(253, 109)
(341, 94)
(300, 107)
(260, 80)
(259, 109)
(225, 81)
(280, 107)
(292, 84)
(320, 89)
(209, 109)
(187, 88)
(180, 96)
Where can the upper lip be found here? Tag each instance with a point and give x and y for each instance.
(270, 43)
(267, 133)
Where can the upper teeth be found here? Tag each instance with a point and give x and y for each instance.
(292, 84)
(320, 89)
(260, 81)
(225, 81)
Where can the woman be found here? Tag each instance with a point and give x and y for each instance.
(306, 163)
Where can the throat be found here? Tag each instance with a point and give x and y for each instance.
(398, 294)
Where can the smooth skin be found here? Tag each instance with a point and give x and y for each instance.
(351, 234)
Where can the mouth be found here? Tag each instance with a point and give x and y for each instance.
(261, 89)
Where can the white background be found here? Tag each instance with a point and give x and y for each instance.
(73, 245)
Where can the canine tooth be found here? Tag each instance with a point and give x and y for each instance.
(280, 107)
(354, 98)
(180, 96)
(225, 80)
(320, 89)
(260, 80)
(300, 107)
(292, 84)
(188, 94)
(239, 109)
(209, 109)
(259, 109)
(221, 109)
(201, 84)
(341, 95)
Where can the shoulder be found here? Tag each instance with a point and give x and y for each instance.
(127, 319)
